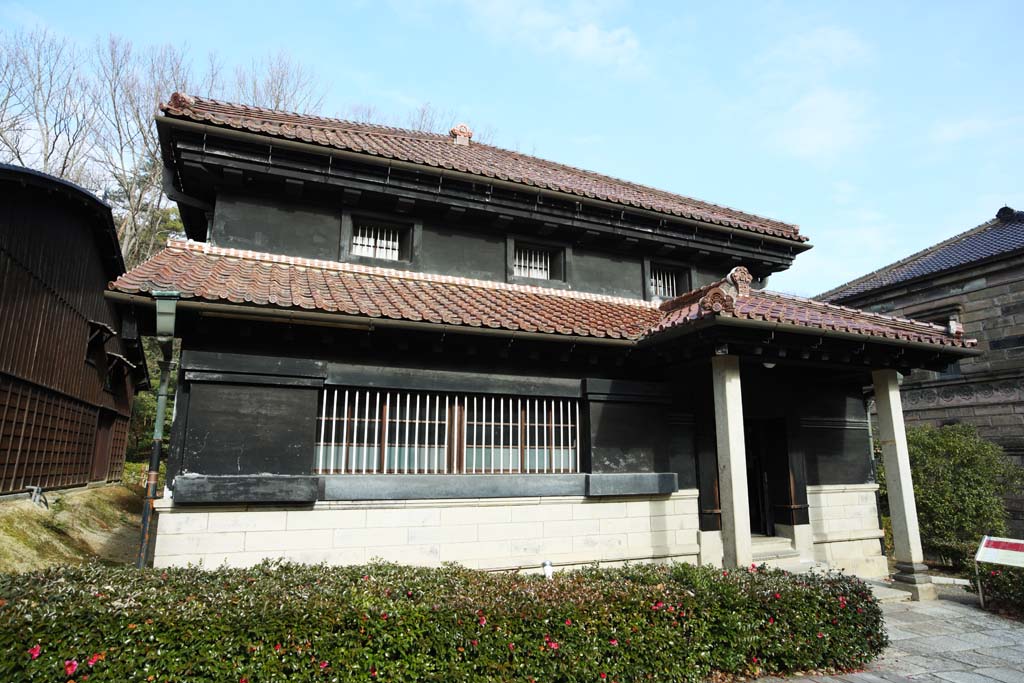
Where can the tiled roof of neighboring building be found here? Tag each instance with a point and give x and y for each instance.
(1004, 234)
(216, 274)
(441, 151)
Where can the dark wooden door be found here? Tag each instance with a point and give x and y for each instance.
(767, 471)
(101, 448)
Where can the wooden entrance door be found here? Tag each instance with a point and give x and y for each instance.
(767, 471)
(102, 444)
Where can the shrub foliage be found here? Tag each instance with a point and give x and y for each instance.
(288, 622)
(1003, 587)
(960, 481)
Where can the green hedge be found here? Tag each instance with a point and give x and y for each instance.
(287, 622)
(1003, 587)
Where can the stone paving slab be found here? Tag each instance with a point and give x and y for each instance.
(944, 641)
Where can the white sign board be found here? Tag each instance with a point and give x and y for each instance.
(1005, 551)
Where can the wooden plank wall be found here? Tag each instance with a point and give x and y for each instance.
(52, 280)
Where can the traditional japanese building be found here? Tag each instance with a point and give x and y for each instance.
(974, 280)
(418, 347)
(70, 361)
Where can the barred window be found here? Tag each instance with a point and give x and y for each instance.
(664, 282)
(377, 241)
(370, 431)
(532, 262)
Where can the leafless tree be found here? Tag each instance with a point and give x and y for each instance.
(277, 81)
(46, 119)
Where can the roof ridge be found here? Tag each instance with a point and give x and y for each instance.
(179, 104)
(322, 264)
(910, 259)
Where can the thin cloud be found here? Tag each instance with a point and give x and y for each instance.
(823, 124)
(574, 31)
(958, 130)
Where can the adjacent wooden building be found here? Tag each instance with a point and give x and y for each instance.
(414, 346)
(974, 280)
(70, 361)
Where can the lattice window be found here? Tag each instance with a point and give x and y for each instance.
(377, 241)
(664, 282)
(366, 431)
(532, 262)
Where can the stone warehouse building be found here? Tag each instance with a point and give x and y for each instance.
(417, 347)
(976, 280)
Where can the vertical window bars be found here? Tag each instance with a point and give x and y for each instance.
(363, 431)
(664, 283)
(532, 262)
(376, 241)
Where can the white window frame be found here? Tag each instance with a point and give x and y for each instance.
(372, 239)
(532, 262)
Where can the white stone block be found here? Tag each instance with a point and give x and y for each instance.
(498, 514)
(597, 546)
(370, 538)
(249, 520)
(308, 539)
(326, 519)
(514, 530)
(181, 522)
(407, 517)
(576, 527)
(598, 510)
(456, 552)
(422, 555)
(331, 556)
(544, 512)
(443, 534)
(625, 525)
(667, 523)
(201, 543)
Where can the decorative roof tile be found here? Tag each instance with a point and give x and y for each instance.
(1002, 235)
(442, 151)
(201, 271)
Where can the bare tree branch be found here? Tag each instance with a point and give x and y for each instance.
(278, 82)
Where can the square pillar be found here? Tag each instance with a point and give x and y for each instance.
(732, 461)
(910, 566)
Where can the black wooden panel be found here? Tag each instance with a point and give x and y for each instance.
(245, 489)
(418, 379)
(628, 437)
(836, 454)
(241, 429)
(276, 227)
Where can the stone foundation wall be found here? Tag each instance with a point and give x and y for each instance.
(845, 530)
(504, 533)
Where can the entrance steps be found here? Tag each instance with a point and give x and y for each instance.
(778, 552)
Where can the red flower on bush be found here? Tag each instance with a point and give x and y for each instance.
(553, 644)
(70, 666)
(603, 675)
(483, 621)
(771, 620)
(277, 648)
(820, 634)
(373, 672)
(324, 665)
(97, 657)
(613, 642)
(511, 646)
(778, 596)
(568, 622)
(34, 651)
(243, 680)
(754, 659)
(474, 643)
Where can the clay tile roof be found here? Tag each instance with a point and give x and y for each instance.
(201, 271)
(441, 151)
(216, 274)
(1002, 235)
(733, 297)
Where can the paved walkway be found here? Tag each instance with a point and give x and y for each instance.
(950, 640)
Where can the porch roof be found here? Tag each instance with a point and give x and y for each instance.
(215, 274)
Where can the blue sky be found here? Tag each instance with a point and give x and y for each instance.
(879, 128)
